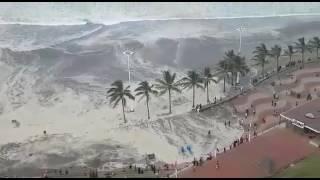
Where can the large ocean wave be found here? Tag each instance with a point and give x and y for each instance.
(73, 22)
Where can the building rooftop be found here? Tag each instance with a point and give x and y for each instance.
(306, 115)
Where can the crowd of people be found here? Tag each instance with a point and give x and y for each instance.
(199, 162)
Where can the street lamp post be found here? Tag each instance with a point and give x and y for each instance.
(240, 29)
(129, 53)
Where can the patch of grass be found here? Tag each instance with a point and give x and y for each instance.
(307, 168)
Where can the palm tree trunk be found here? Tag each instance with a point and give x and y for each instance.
(208, 93)
(169, 101)
(277, 59)
(148, 108)
(278, 68)
(232, 75)
(302, 58)
(193, 92)
(224, 84)
(262, 70)
(124, 116)
(290, 58)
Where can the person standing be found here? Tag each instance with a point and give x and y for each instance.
(182, 150)
(194, 161)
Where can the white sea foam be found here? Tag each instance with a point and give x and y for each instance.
(73, 22)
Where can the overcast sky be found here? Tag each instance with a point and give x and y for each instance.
(111, 12)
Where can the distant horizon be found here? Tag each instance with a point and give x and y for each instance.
(72, 13)
(85, 21)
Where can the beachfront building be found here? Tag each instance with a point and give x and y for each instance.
(305, 119)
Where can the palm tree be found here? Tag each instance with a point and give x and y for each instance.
(168, 84)
(225, 66)
(315, 44)
(289, 52)
(261, 52)
(207, 79)
(118, 93)
(193, 80)
(302, 47)
(275, 52)
(144, 90)
(239, 65)
(229, 58)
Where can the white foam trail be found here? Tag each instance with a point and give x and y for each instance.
(99, 21)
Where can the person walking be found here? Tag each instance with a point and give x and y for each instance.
(217, 164)
(182, 150)
(229, 123)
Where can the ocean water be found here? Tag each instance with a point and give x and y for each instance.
(58, 13)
